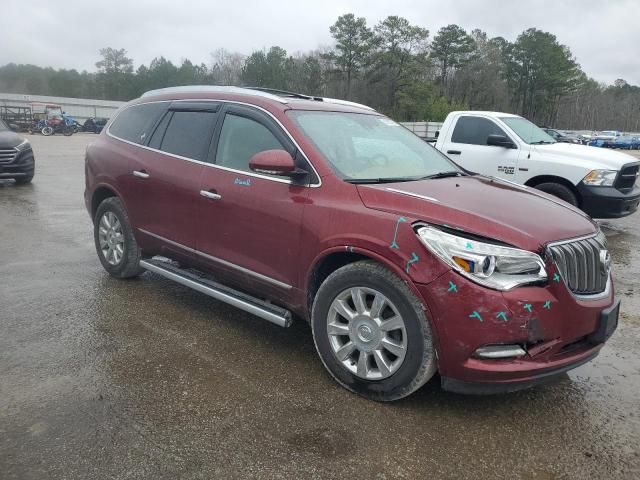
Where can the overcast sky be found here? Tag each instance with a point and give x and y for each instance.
(604, 35)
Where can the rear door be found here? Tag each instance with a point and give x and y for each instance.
(468, 147)
(249, 224)
(167, 176)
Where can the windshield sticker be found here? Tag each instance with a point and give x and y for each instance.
(413, 260)
(394, 244)
(475, 314)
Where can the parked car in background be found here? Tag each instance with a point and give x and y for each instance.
(627, 142)
(404, 264)
(16, 156)
(558, 136)
(600, 182)
(95, 124)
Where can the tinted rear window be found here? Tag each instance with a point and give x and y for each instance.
(133, 123)
(189, 134)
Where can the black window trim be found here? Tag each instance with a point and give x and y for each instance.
(506, 133)
(316, 181)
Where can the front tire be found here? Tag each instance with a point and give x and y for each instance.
(116, 246)
(558, 190)
(371, 332)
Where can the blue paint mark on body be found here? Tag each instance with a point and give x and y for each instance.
(394, 244)
(469, 246)
(244, 182)
(547, 305)
(452, 287)
(556, 277)
(502, 316)
(475, 314)
(528, 307)
(414, 259)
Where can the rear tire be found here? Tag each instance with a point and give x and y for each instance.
(116, 246)
(411, 360)
(558, 190)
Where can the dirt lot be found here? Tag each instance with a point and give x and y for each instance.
(101, 378)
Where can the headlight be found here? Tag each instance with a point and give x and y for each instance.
(600, 178)
(24, 145)
(493, 266)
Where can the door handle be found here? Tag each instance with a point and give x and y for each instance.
(454, 152)
(140, 174)
(211, 195)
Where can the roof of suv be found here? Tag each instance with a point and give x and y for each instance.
(280, 99)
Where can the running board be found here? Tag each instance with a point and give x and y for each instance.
(260, 308)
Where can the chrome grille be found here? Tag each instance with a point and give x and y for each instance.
(7, 155)
(580, 264)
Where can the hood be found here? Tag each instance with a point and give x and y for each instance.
(9, 139)
(590, 157)
(491, 208)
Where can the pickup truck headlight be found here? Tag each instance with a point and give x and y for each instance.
(493, 266)
(600, 178)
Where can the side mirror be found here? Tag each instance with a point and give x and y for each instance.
(500, 141)
(274, 162)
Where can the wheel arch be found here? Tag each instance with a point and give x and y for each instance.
(334, 258)
(99, 195)
(539, 179)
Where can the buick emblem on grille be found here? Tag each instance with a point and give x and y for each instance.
(605, 261)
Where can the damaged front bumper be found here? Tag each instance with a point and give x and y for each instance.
(553, 330)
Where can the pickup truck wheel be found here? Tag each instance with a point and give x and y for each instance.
(372, 333)
(560, 191)
(117, 248)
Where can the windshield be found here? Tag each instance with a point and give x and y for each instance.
(370, 147)
(527, 131)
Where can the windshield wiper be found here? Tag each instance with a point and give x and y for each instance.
(381, 180)
(452, 173)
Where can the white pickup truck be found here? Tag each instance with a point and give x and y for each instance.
(601, 182)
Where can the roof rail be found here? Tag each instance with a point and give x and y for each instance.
(214, 89)
(337, 101)
(271, 93)
(286, 93)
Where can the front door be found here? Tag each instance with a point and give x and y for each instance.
(249, 224)
(468, 148)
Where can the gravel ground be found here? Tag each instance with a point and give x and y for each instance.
(101, 378)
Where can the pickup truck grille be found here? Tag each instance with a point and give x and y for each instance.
(580, 264)
(627, 177)
(7, 155)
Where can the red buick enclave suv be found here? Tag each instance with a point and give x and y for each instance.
(404, 264)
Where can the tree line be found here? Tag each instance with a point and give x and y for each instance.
(394, 66)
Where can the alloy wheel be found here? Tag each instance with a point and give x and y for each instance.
(111, 238)
(367, 333)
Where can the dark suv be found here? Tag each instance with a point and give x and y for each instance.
(289, 206)
(16, 156)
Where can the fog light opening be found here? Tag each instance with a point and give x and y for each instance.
(500, 351)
